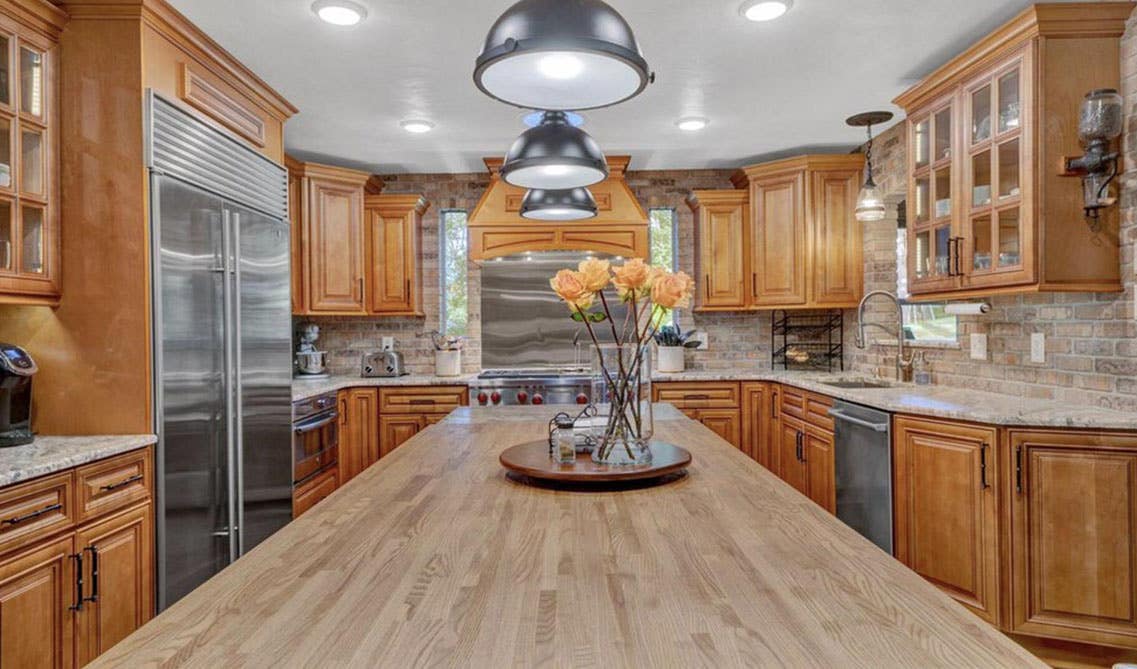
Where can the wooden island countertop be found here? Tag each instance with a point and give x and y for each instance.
(432, 557)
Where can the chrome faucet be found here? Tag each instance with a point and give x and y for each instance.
(903, 362)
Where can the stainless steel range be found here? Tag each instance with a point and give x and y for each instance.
(512, 387)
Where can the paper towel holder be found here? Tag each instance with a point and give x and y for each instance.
(967, 308)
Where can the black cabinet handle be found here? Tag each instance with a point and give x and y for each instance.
(774, 406)
(94, 574)
(123, 483)
(28, 516)
(801, 445)
(78, 605)
(983, 467)
(1019, 469)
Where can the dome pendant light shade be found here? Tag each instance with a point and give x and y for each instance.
(576, 204)
(870, 202)
(561, 55)
(554, 156)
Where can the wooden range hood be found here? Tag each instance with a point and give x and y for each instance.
(620, 226)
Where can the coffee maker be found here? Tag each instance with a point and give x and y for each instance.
(16, 371)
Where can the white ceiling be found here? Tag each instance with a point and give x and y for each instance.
(767, 88)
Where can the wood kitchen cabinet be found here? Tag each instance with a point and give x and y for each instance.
(37, 591)
(805, 445)
(314, 491)
(946, 508)
(404, 412)
(394, 243)
(820, 467)
(30, 255)
(791, 466)
(988, 211)
(1073, 517)
(757, 409)
(358, 432)
(786, 237)
(714, 404)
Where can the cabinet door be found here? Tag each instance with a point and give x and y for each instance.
(820, 468)
(934, 260)
(393, 253)
(946, 509)
(335, 253)
(721, 258)
(37, 587)
(118, 561)
(725, 423)
(313, 492)
(836, 239)
(778, 240)
(1074, 533)
(755, 422)
(296, 222)
(359, 431)
(791, 468)
(394, 431)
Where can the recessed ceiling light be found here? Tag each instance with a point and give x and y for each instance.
(417, 126)
(339, 12)
(764, 10)
(691, 123)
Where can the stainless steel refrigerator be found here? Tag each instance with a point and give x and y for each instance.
(222, 347)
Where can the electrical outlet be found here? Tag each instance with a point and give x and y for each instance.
(1038, 347)
(978, 347)
(388, 344)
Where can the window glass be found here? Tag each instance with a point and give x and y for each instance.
(452, 259)
(924, 322)
(663, 234)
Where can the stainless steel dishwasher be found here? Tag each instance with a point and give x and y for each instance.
(863, 452)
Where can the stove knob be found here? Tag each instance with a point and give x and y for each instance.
(483, 398)
(582, 399)
(495, 397)
(537, 399)
(522, 397)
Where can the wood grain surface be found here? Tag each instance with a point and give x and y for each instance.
(433, 557)
(532, 459)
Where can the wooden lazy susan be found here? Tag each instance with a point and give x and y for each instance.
(530, 462)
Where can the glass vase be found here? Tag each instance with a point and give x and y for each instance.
(621, 390)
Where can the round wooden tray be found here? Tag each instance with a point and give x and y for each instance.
(531, 461)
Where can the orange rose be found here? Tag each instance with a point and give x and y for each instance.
(632, 278)
(595, 273)
(571, 287)
(672, 290)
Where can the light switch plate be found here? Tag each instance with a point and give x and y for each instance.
(388, 344)
(978, 347)
(1038, 347)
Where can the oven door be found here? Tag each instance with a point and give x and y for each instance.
(314, 444)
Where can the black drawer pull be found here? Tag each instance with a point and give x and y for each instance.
(696, 397)
(78, 605)
(983, 467)
(422, 401)
(123, 483)
(94, 574)
(34, 514)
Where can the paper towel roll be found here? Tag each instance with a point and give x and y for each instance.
(967, 308)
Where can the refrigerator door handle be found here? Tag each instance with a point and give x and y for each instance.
(230, 403)
(238, 391)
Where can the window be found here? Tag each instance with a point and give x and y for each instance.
(663, 237)
(923, 322)
(452, 272)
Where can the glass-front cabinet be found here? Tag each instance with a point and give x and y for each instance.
(29, 202)
(933, 262)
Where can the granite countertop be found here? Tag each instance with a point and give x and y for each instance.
(303, 389)
(48, 454)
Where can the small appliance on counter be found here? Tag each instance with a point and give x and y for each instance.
(382, 364)
(311, 364)
(16, 371)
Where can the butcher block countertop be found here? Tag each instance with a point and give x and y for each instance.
(432, 557)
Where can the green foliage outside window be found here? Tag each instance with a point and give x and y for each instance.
(452, 262)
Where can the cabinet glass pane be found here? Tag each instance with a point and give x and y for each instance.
(1009, 107)
(31, 81)
(31, 248)
(943, 135)
(923, 141)
(5, 153)
(981, 179)
(6, 235)
(923, 255)
(981, 115)
(1010, 251)
(5, 71)
(943, 251)
(923, 199)
(942, 193)
(31, 161)
(981, 238)
(1009, 169)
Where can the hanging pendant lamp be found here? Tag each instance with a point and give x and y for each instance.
(870, 202)
(576, 204)
(561, 55)
(554, 156)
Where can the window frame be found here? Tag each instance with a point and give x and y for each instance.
(906, 304)
(443, 283)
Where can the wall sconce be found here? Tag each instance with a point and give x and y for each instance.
(1099, 124)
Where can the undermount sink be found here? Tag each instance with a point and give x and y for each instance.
(857, 383)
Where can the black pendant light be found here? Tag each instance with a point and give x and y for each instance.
(561, 55)
(575, 204)
(554, 156)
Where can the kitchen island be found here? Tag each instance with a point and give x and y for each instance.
(433, 557)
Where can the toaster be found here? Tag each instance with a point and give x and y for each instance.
(383, 363)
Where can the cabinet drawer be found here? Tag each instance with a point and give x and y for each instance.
(33, 510)
(817, 411)
(698, 395)
(793, 402)
(441, 399)
(114, 483)
(313, 492)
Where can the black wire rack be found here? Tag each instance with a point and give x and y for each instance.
(808, 340)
